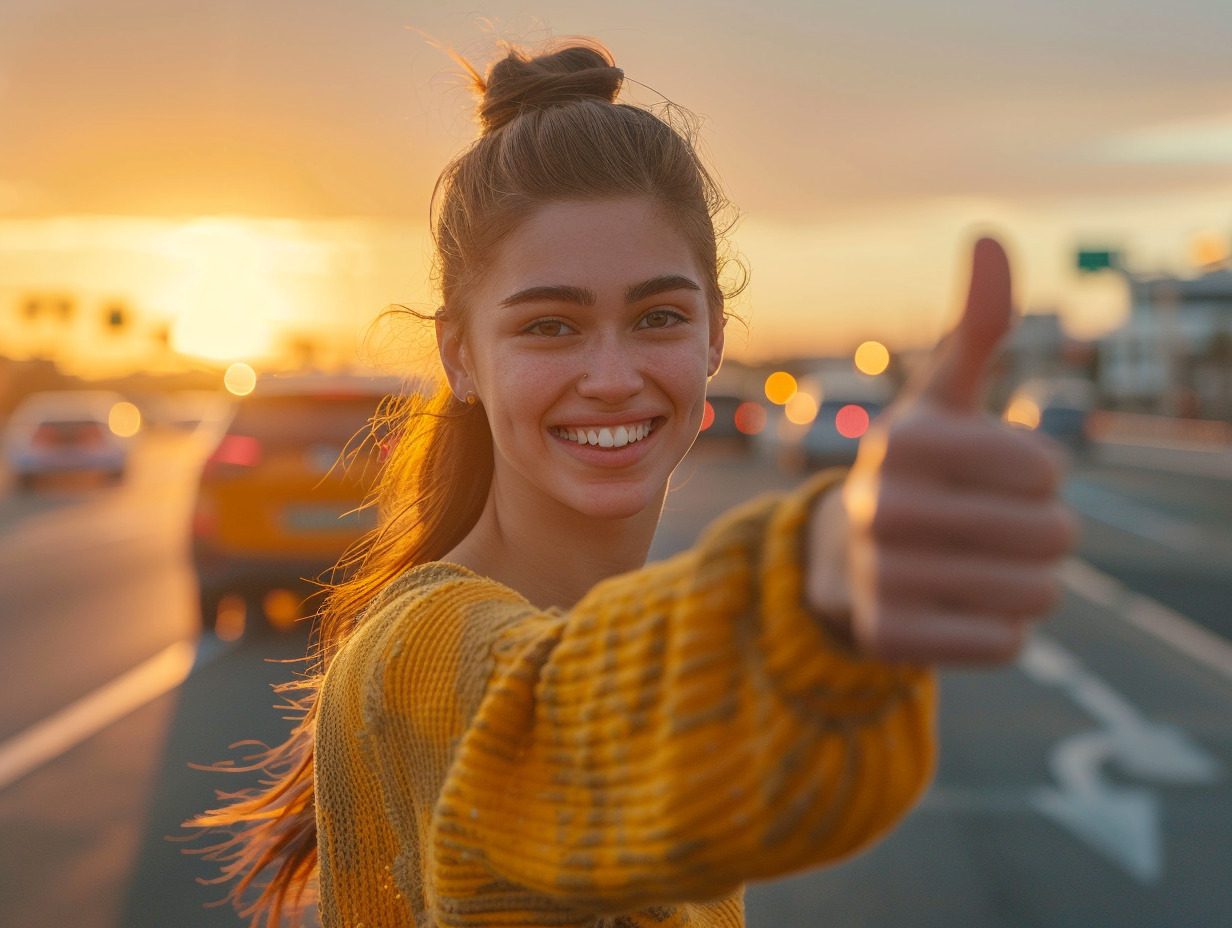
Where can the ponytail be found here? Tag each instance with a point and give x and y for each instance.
(430, 492)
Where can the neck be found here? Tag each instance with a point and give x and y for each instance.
(553, 558)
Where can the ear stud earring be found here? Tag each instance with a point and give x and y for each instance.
(471, 398)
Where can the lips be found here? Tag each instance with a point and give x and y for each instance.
(606, 436)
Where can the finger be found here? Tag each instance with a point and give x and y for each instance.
(962, 358)
(976, 522)
(966, 583)
(974, 452)
(932, 636)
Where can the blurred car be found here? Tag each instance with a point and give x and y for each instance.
(834, 435)
(732, 419)
(67, 432)
(1058, 407)
(277, 504)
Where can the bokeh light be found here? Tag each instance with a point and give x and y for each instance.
(231, 618)
(750, 418)
(124, 419)
(872, 358)
(801, 409)
(281, 607)
(707, 416)
(1024, 412)
(780, 387)
(240, 379)
(851, 421)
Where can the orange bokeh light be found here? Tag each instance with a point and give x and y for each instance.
(780, 387)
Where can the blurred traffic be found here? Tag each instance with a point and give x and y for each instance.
(282, 495)
(177, 528)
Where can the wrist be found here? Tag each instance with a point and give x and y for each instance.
(827, 593)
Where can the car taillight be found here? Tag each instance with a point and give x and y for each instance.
(236, 450)
(204, 519)
(851, 421)
(45, 436)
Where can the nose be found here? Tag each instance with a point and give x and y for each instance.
(610, 373)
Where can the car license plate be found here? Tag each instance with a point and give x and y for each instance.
(305, 519)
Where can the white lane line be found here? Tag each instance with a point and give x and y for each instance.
(1129, 515)
(1169, 626)
(46, 740)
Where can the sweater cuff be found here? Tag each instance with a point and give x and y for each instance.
(807, 660)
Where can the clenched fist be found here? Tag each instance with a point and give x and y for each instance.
(943, 544)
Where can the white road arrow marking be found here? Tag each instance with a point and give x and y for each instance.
(1120, 822)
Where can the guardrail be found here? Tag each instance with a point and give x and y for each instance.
(1131, 428)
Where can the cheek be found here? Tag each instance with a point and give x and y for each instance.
(684, 378)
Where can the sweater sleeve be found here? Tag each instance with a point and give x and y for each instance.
(683, 729)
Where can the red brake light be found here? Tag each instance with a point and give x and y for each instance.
(750, 418)
(204, 519)
(707, 416)
(237, 450)
(851, 421)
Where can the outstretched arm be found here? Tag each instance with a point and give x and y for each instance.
(683, 729)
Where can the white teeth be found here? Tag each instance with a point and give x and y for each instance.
(605, 437)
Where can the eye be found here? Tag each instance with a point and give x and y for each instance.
(548, 328)
(662, 319)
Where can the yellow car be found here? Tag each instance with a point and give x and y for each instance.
(278, 502)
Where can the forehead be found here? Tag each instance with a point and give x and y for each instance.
(600, 244)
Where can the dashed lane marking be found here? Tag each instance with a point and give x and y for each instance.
(59, 733)
(1169, 626)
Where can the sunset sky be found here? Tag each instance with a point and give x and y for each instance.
(236, 171)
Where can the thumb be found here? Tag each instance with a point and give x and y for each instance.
(961, 358)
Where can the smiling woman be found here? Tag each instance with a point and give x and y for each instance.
(514, 719)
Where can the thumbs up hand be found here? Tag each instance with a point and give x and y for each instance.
(943, 544)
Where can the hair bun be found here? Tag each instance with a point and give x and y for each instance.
(566, 75)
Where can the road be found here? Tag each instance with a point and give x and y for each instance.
(1088, 784)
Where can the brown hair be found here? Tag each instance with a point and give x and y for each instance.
(552, 131)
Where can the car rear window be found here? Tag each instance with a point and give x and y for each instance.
(303, 419)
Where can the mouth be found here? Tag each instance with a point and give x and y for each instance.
(607, 436)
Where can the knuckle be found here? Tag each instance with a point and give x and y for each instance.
(904, 439)
(1004, 647)
(1045, 595)
(1060, 530)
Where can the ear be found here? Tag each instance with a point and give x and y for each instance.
(453, 354)
(717, 327)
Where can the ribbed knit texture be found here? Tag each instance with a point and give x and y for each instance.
(683, 729)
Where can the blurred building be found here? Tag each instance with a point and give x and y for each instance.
(1173, 354)
(1038, 350)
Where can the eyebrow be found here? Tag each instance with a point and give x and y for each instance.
(657, 285)
(584, 296)
(552, 293)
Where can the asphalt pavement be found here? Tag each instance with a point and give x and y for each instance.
(1086, 785)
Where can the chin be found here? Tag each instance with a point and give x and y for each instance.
(606, 504)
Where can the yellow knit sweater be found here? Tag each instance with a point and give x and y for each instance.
(684, 728)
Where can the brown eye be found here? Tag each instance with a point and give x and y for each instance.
(549, 328)
(661, 318)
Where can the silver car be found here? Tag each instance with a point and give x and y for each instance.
(62, 432)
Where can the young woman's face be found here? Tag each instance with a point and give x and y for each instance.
(589, 343)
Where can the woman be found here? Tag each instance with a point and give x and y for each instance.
(515, 721)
